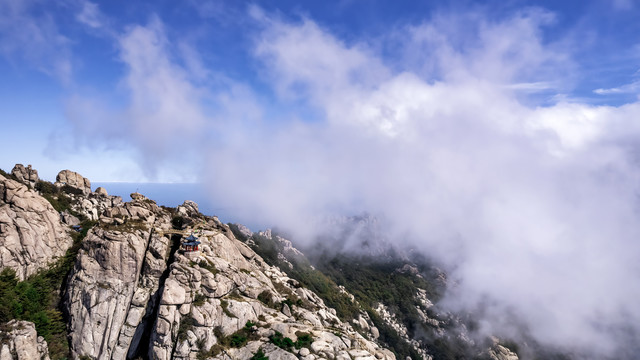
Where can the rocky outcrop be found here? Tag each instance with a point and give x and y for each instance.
(227, 287)
(101, 289)
(113, 291)
(25, 175)
(500, 352)
(136, 292)
(94, 205)
(245, 231)
(31, 233)
(19, 341)
(74, 180)
(141, 313)
(133, 293)
(188, 208)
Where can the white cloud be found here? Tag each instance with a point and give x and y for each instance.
(163, 115)
(170, 112)
(534, 207)
(630, 88)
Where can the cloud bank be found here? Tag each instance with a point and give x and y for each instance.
(534, 208)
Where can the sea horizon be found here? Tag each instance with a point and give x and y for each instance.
(175, 194)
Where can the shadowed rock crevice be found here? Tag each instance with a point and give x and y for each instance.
(145, 329)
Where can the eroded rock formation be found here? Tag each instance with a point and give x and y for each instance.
(31, 233)
(74, 180)
(21, 342)
(26, 175)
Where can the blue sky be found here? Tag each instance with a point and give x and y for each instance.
(500, 137)
(54, 52)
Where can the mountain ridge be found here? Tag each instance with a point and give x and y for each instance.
(126, 287)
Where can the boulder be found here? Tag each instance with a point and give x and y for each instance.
(31, 233)
(25, 175)
(137, 196)
(499, 352)
(21, 342)
(101, 191)
(74, 180)
(69, 219)
(188, 208)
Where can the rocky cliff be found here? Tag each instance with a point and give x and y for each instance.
(31, 233)
(135, 290)
(134, 280)
(134, 293)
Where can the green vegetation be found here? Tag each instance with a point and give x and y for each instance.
(304, 273)
(45, 187)
(208, 266)
(280, 341)
(259, 355)
(128, 225)
(292, 299)
(369, 281)
(238, 338)
(58, 197)
(372, 282)
(267, 298)
(199, 299)
(225, 305)
(8, 175)
(213, 352)
(37, 299)
(304, 340)
(186, 323)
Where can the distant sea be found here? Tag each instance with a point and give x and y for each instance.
(175, 194)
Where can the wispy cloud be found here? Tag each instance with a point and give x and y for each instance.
(25, 36)
(631, 88)
(167, 115)
(90, 15)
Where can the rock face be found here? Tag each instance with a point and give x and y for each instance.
(74, 180)
(208, 301)
(25, 175)
(134, 293)
(31, 233)
(499, 352)
(21, 342)
(188, 208)
(114, 284)
(101, 289)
